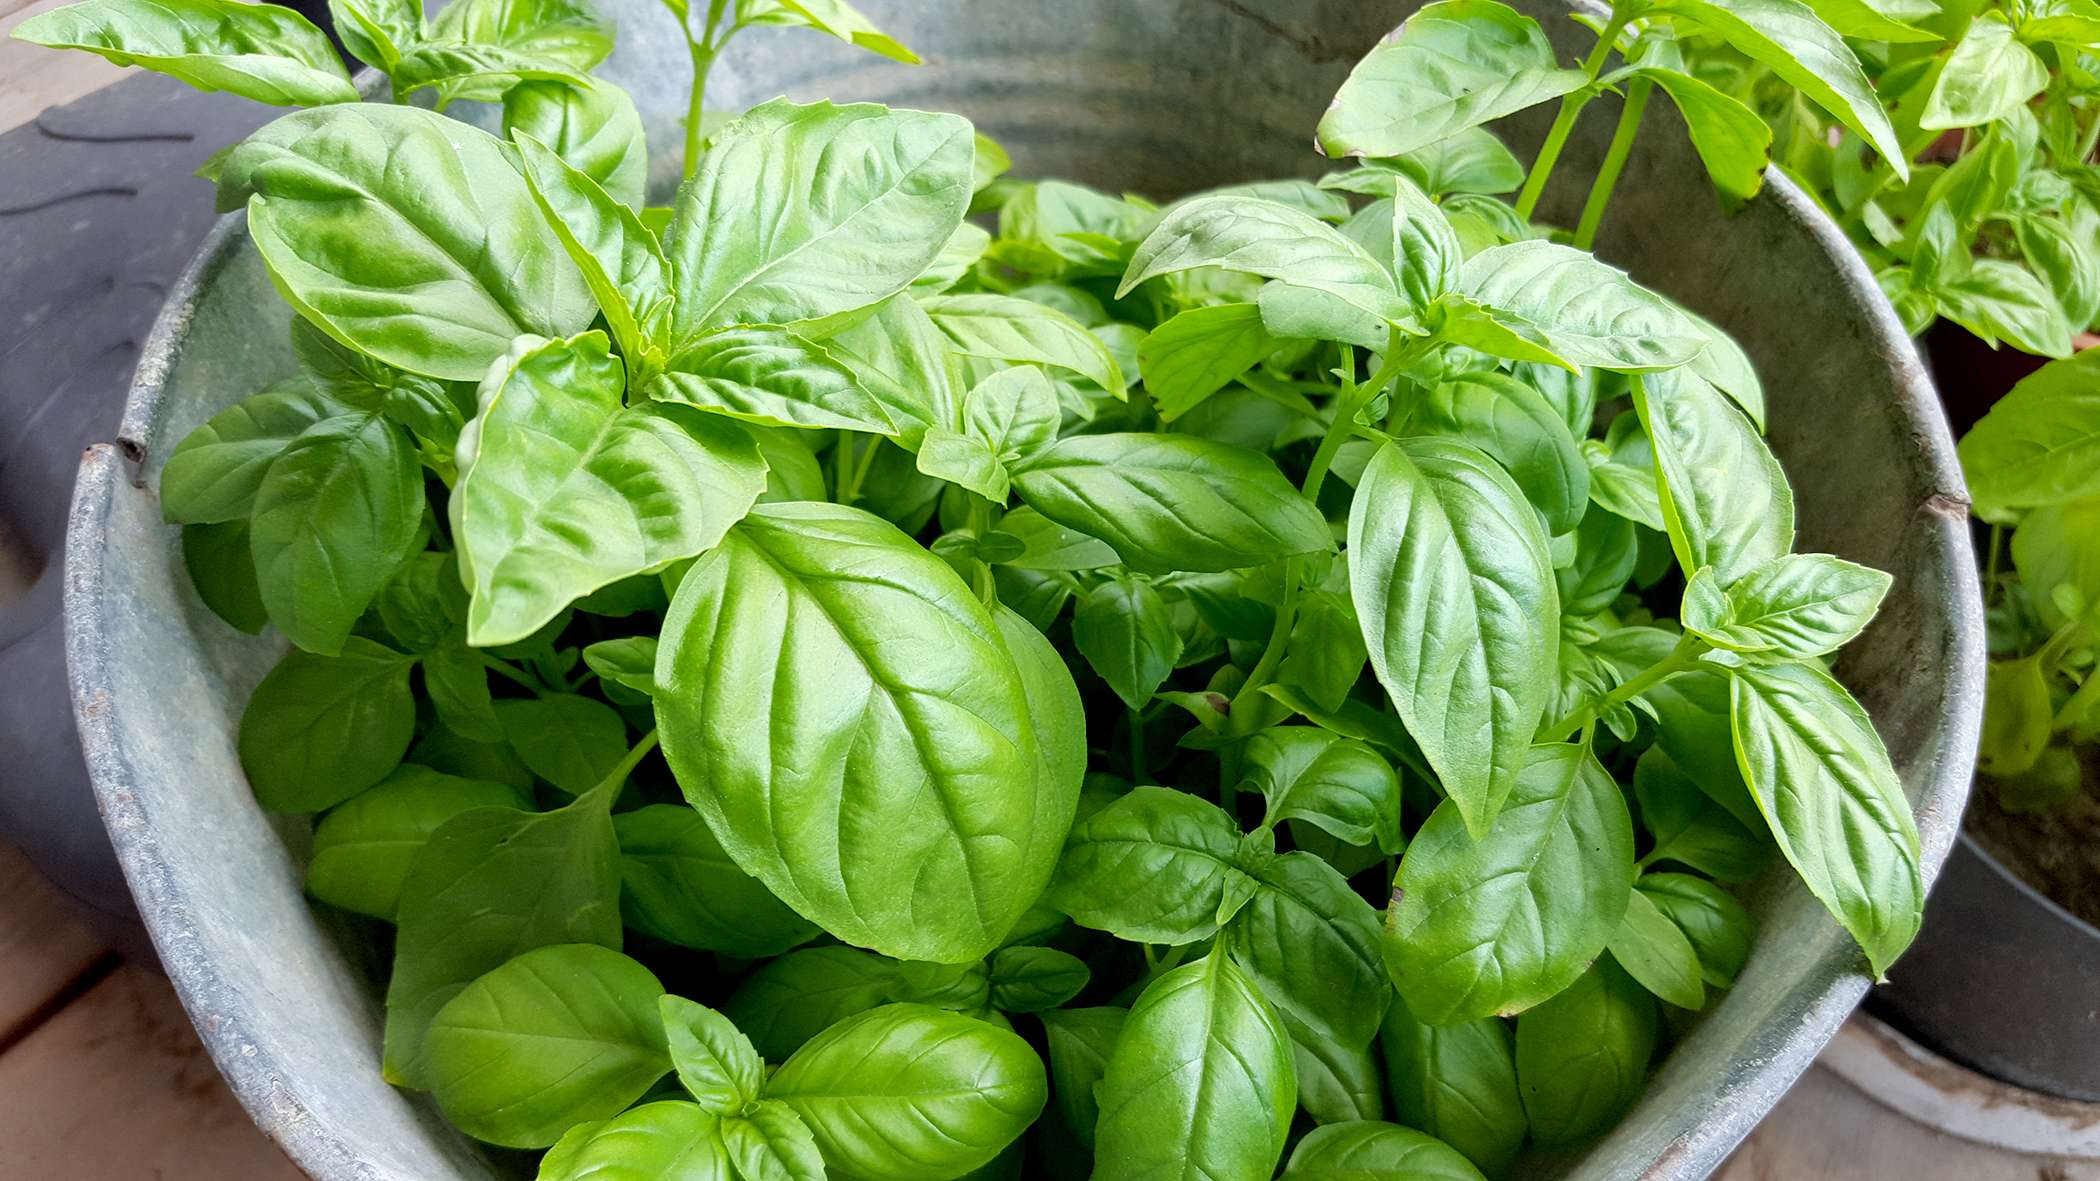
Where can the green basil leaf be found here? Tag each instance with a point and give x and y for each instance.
(1310, 943)
(617, 255)
(363, 847)
(771, 1143)
(1173, 502)
(2040, 445)
(463, 69)
(1724, 496)
(2056, 551)
(715, 1062)
(1689, 827)
(569, 34)
(1024, 332)
(1325, 655)
(1824, 783)
(320, 729)
(1341, 785)
(1606, 551)
(558, 1036)
(571, 742)
(1582, 1057)
(1497, 924)
(773, 377)
(2065, 253)
(221, 566)
(1797, 606)
(375, 31)
(964, 460)
(629, 661)
(1127, 635)
(1080, 1042)
(678, 885)
(1788, 37)
(213, 474)
(445, 749)
(1469, 161)
(803, 993)
(594, 128)
(1725, 366)
(489, 885)
(457, 681)
(748, 249)
(335, 513)
(1583, 310)
(1225, 1109)
(1198, 352)
(1367, 1149)
(1454, 65)
(1457, 1083)
(1732, 140)
(422, 604)
(565, 490)
(905, 364)
(834, 17)
(1989, 75)
(1427, 257)
(1517, 426)
(1623, 477)
(907, 1092)
(259, 51)
(1875, 20)
(1692, 726)
(1015, 413)
(862, 665)
(1047, 545)
(666, 1141)
(1455, 589)
(433, 270)
(1710, 917)
(1654, 951)
(1035, 979)
(1271, 240)
(1997, 299)
(1156, 866)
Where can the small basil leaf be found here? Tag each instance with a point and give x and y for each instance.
(1153, 867)
(1337, 1083)
(715, 1062)
(1517, 426)
(2040, 445)
(213, 474)
(678, 885)
(593, 127)
(363, 847)
(1271, 240)
(617, 255)
(653, 1142)
(1656, 953)
(221, 566)
(1499, 924)
(320, 729)
(1732, 140)
(771, 1143)
(1200, 351)
(801, 994)
(1310, 943)
(906, 1092)
(1080, 1042)
(1724, 496)
(1023, 332)
(1990, 74)
(905, 364)
(1035, 979)
(1689, 827)
(567, 740)
(1341, 785)
(1582, 310)
(1798, 606)
(1345, 1152)
(568, 34)
(773, 377)
(1710, 917)
(1457, 1083)
(1126, 633)
(841, 20)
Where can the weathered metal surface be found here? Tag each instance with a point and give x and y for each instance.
(1161, 97)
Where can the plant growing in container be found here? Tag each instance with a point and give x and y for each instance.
(1063, 638)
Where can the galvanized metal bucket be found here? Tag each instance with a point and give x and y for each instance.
(1161, 98)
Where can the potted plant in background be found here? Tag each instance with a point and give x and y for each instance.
(800, 475)
(1990, 250)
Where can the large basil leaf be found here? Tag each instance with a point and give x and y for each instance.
(1198, 352)
(1990, 75)
(564, 490)
(337, 511)
(320, 729)
(1732, 140)
(1342, 786)
(750, 246)
(1310, 944)
(594, 128)
(1126, 632)
(905, 364)
(556, 1037)
(1581, 309)
(213, 474)
(1825, 785)
(1457, 1083)
(803, 993)
(364, 847)
(1514, 423)
(1370, 1149)
(847, 718)
(433, 269)
(665, 1141)
(1224, 1107)
(1724, 496)
(1080, 1042)
(259, 51)
(618, 256)
(1173, 502)
(1455, 591)
(1454, 65)
(911, 1093)
(1267, 239)
(1499, 924)
(488, 886)
(1582, 1057)
(679, 885)
(1155, 866)
(1788, 37)
(1689, 827)
(2040, 445)
(1337, 1084)
(1798, 606)
(1999, 299)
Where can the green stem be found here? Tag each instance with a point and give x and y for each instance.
(703, 51)
(1138, 769)
(1682, 657)
(1990, 563)
(2060, 643)
(980, 523)
(509, 671)
(1614, 162)
(2081, 702)
(853, 469)
(1571, 105)
(615, 779)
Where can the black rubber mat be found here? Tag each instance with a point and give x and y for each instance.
(99, 212)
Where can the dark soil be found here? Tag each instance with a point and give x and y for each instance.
(2056, 849)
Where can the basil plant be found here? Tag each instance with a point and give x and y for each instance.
(879, 669)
